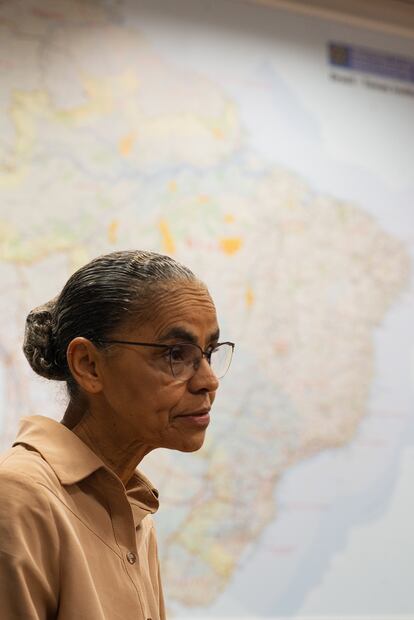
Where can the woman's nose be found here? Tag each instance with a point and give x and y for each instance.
(204, 378)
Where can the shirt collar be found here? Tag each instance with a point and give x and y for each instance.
(142, 496)
(72, 460)
(68, 456)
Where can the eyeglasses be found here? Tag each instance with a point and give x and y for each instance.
(185, 358)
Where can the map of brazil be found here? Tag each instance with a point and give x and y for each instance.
(119, 131)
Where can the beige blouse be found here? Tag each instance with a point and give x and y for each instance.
(74, 542)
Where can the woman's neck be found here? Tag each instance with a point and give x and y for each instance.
(103, 437)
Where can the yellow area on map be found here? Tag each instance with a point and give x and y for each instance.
(172, 186)
(29, 109)
(99, 102)
(25, 110)
(196, 532)
(7, 237)
(78, 257)
(218, 133)
(113, 231)
(290, 202)
(203, 199)
(219, 560)
(100, 95)
(167, 238)
(229, 218)
(230, 245)
(22, 252)
(126, 143)
(223, 126)
(249, 297)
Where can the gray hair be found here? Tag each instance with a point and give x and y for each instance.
(95, 299)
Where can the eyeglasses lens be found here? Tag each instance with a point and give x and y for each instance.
(186, 358)
(220, 359)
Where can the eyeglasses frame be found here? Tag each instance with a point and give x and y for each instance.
(206, 354)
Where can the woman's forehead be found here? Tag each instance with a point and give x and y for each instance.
(178, 297)
(190, 307)
(186, 309)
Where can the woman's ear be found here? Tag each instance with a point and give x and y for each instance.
(84, 363)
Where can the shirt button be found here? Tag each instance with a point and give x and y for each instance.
(131, 557)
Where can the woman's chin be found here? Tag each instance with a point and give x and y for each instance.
(190, 444)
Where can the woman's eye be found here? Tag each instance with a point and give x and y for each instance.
(177, 354)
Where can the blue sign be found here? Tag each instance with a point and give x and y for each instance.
(366, 60)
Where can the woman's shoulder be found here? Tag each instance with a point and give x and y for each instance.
(24, 471)
(26, 512)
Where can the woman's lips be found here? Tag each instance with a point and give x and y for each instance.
(200, 419)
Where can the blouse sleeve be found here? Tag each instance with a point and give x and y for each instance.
(29, 570)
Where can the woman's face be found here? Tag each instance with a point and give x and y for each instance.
(139, 391)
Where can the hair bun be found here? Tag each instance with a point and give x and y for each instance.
(38, 345)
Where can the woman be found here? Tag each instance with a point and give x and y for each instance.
(135, 336)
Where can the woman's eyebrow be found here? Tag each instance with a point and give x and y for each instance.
(179, 333)
(214, 336)
(183, 334)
